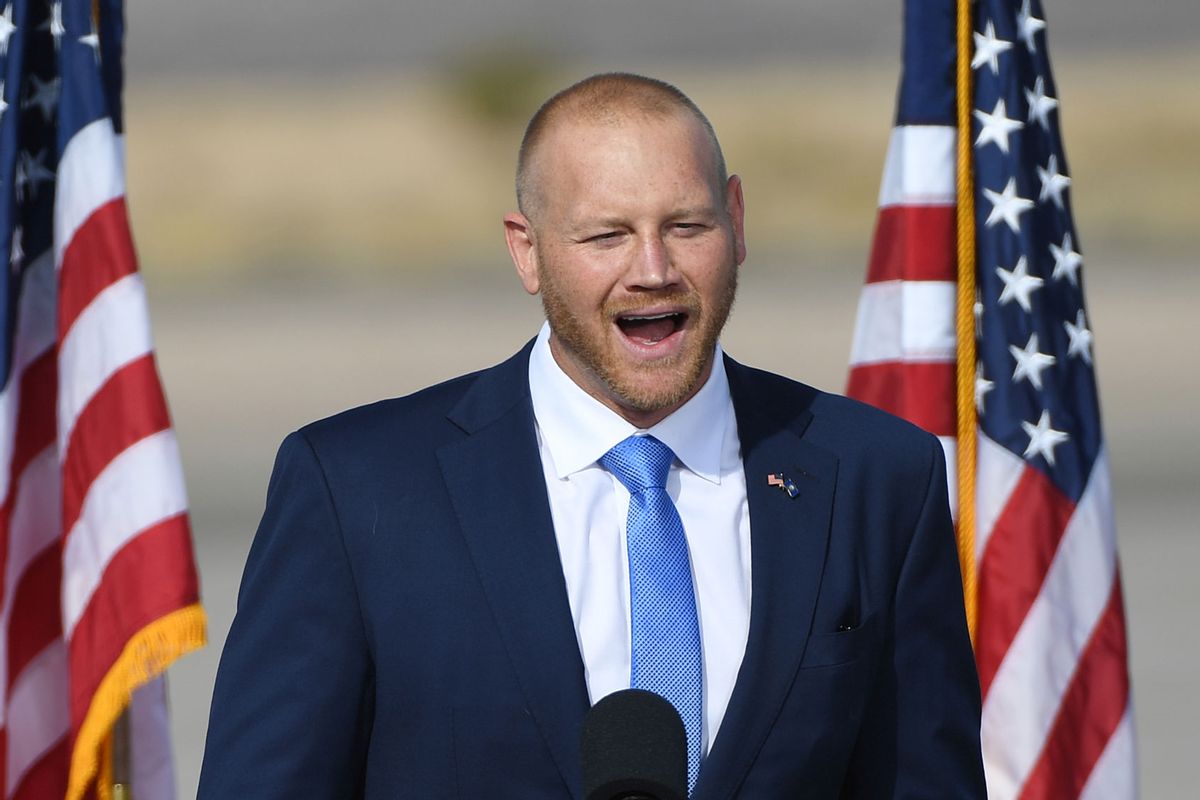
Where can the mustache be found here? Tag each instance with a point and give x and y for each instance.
(683, 300)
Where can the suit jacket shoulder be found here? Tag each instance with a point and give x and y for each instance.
(412, 428)
(860, 436)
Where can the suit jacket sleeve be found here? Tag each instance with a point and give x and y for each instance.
(292, 705)
(925, 709)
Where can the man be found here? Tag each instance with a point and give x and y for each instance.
(442, 584)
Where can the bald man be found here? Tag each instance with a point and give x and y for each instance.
(442, 584)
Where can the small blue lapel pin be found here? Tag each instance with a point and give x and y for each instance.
(784, 483)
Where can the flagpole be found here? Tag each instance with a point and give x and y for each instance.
(122, 788)
(965, 320)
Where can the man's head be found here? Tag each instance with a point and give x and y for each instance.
(632, 233)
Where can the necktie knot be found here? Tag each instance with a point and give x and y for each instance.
(639, 462)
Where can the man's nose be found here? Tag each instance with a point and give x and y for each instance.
(654, 267)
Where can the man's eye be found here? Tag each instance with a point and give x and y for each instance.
(604, 238)
(689, 227)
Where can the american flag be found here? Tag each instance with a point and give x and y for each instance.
(1040, 566)
(97, 583)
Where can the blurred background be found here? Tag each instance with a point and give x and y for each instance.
(316, 192)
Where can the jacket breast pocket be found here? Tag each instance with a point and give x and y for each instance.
(840, 647)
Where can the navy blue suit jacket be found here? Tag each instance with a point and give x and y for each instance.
(403, 627)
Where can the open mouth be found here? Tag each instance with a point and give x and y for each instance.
(650, 329)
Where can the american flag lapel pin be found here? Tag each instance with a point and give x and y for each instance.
(784, 483)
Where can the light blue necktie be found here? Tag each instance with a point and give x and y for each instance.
(665, 631)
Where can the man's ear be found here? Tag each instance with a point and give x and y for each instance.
(518, 232)
(735, 206)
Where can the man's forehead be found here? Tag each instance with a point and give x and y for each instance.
(580, 139)
(621, 179)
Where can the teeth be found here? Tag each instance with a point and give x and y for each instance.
(657, 316)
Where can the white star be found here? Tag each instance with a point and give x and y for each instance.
(1043, 439)
(1007, 206)
(31, 170)
(996, 126)
(7, 29)
(1030, 363)
(3, 103)
(1040, 103)
(1053, 182)
(982, 387)
(978, 314)
(45, 96)
(92, 40)
(1066, 260)
(55, 23)
(988, 49)
(1028, 25)
(1081, 338)
(1018, 284)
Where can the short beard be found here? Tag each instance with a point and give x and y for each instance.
(676, 378)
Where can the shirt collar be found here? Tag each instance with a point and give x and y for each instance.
(578, 429)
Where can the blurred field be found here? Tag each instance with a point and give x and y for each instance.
(373, 173)
(318, 242)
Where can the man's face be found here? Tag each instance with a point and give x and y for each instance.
(634, 249)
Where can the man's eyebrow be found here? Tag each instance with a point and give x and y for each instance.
(694, 211)
(590, 224)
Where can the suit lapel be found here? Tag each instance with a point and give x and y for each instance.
(494, 477)
(789, 537)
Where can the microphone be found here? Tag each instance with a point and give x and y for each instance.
(634, 748)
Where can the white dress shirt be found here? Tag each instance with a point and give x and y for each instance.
(589, 507)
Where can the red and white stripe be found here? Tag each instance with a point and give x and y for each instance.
(902, 358)
(94, 537)
(33, 717)
(1050, 641)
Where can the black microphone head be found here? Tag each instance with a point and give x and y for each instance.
(634, 746)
